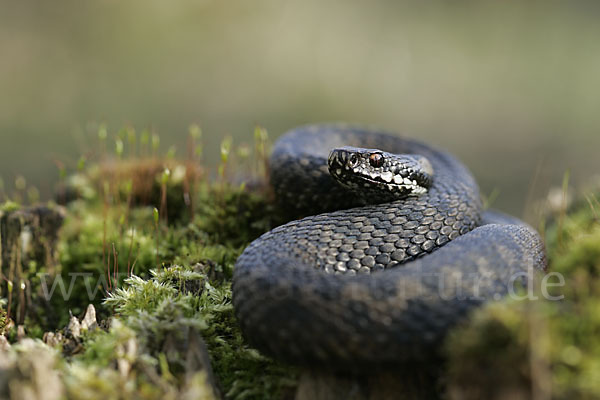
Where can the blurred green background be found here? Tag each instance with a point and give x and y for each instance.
(510, 87)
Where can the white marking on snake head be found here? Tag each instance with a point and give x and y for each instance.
(387, 176)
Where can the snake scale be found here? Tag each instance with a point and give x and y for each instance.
(368, 279)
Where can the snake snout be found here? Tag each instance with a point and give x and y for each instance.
(339, 159)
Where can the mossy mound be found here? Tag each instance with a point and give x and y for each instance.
(150, 242)
(543, 348)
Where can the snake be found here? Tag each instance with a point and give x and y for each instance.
(389, 247)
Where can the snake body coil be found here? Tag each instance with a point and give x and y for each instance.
(369, 283)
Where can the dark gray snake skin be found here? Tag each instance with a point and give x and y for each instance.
(372, 285)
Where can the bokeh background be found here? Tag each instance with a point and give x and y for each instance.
(511, 87)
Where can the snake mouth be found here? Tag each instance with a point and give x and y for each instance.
(398, 186)
(407, 184)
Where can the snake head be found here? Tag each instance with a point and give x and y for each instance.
(379, 176)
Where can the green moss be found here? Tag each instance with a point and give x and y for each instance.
(233, 215)
(242, 372)
(87, 256)
(165, 305)
(118, 364)
(547, 348)
(148, 311)
(226, 219)
(9, 206)
(155, 284)
(4, 321)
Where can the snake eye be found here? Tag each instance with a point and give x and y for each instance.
(376, 160)
(352, 160)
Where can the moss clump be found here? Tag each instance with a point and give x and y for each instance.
(164, 183)
(234, 216)
(96, 253)
(157, 307)
(100, 246)
(544, 348)
(28, 237)
(9, 206)
(118, 364)
(144, 354)
(161, 286)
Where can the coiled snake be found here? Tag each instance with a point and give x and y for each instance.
(398, 252)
